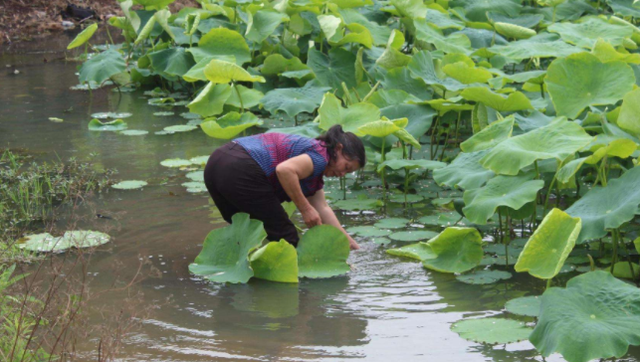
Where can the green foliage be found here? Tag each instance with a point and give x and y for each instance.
(276, 261)
(83, 36)
(323, 253)
(457, 250)
(229, 125)
(492, 330)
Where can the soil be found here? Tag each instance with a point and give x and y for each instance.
(23, 20)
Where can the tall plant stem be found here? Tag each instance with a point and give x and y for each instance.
(406, 185)
(382, 157)
(614, 256)
(457, 128)
(548, 283)
(235, 86)
(433, 132)
(546, 200)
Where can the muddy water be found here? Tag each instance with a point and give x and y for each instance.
(386, 309)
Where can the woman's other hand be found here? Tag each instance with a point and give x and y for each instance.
(311, 217)
(353, 244)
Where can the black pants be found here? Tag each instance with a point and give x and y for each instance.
(238, 184)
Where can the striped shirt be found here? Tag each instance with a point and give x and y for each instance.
(271, 149)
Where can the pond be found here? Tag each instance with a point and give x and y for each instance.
(387, 308)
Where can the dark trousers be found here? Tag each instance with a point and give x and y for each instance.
(238, 184)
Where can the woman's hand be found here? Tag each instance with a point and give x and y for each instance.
(311, 217)
(353, 244)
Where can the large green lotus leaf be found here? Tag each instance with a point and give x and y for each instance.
(515, 101)
(102, 67)
(457, 249)
(512, 31)
(383, 127)
(511, 191)
(393, 58)
(323, 252)
(582, 80)
(465, 171)
(358, 34)
(549, 246)
(406, 137)
(456, 43)
(606, 208)
(196, 72)
(586, 33)
(624, 8)
(250, 97)
(526, 306)
(420, 251)
(331, 113)
(492, 330)
(263, 23)
(114, 125)
(415, 235)
(541, 46)
(219, 71)
(421, 66)
(221, 43)
(210, 100)
(379, 32)
(411, 164)
(154, 4)
(330, 25)
(629, 118)
(560, 139)
(229, 125)
(276, 64)
(225, 252)
(83, 36)
(294, 101)
(172, 61)
(333, 69)
(401, 78)
(310, 130)
(607, 53)
(412, 9)
(595, 316)
(162, 18)
(466, 74)
(442, 20)
(276, 261)
(484, 277)
(490, 136)
(476, 10)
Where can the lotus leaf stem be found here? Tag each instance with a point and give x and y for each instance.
(548, 284)
(382, 157)
(371, 92)
(406, 185)
(614, 256)
(553, 181)
(235, 86)
(347, 96)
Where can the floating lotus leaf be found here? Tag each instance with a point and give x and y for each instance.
(56, 119)
(465, 171)
(195, 187)
(549, 246)
(541, 46)
(367, 231)
(71, 239)
(134, 132)
(513, 31)
(560, 139)
(484, 277)
(83, 36)
(333, 69)
(411, 164)
(392, 223)
(175, 162)
(102, 67)
(229, 125)
(511, 191)
(515, 101)
(180, 128)
(222, 43)
(171, 61)
(606, 208)
(582, 80)
(220, 71)
(225, 252)
(414, 235)
(629, 118)
(358, 204)
(525, 306)
(129, 184)
(294, 101)
(332, 113)
(115, 125)
(210, 100)
(595, 316)
(421, 66)
(492, 330)
(262, 24)
(445, 219)
(457, 249)
(323, 252)
(490, 136)
(410, 198)
(276, 261)
(199, 160)
(586, 33)
(419, 251)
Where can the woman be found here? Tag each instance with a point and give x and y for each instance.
(256, 174)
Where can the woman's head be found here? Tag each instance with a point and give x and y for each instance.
(345, 149)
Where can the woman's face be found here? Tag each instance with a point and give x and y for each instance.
(341, 165)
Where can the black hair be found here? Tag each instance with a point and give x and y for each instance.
(352, 147)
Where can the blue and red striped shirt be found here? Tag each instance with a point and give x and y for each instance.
(271, 149)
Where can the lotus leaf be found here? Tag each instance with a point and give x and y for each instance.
(457, 249)
(229, 125)
(276, 261)
(332, 113)
(490, 136)
(358, 34)
(421, 66)
(454, 43)
(105, 115)
(71, 239)
(392, 223)
(484, 277)
(83, 36)
(525, 20)
(276, 64)
(383, 127)
(466, 74)
(607, 53)
(263, 23)
(476, 10)
(606, 208)
(333, 69)
(172, 61)
(250, 97)
(134, 132)
(196, 72)
(219, 71)
(225, 252)
(175, 162)
(549, 246)
(560, 139)
(409, 198)
(414, 235)
(513, 31)
(419, 251)
(358, 204)
(330, 25)
(222, 43)
(195, 187)
(130, 184)
(625, 7)
(380, 33)
(413, 9)
(626, 270)
(323, 253)
(629, 118)
(540, 46)
(294, 101)
(465, 171)
(367, 231)
(400, 78)
(515, 101)
(210, 100)
(154, 4)
(586, 33)
(56, 119)
(582, 80)
(492, 330)
(525, 306)
(179, 128)
(511, 191)
(115, 125)
(442, 20)
(411, 164)
(605, 311)
(102, 67)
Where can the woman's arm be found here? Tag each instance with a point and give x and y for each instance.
(319, 202)
(289, 173)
